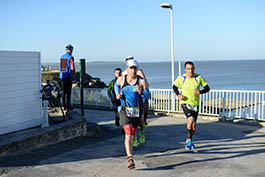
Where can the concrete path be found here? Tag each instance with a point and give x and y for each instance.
(222, 149)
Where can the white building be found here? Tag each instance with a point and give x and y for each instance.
(20, 85)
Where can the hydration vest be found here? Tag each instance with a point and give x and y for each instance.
(65, 66)
(130, 97)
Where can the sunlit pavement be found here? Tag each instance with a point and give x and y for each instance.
(222, 149)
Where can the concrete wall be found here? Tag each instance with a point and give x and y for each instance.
(38, 137)
(20, 85)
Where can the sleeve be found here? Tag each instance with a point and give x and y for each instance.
(203, 82)
(205, 89)
(110, 86)
(146, 93)
(178, 81)
(72, 61)
(176, 90)
(117, 88)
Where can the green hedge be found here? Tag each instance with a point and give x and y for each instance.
(47, 75)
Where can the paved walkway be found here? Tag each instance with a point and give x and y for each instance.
(222, 149)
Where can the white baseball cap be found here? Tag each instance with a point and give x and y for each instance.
(128, 58)
(131, 62)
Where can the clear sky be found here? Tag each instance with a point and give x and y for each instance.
(110, 30)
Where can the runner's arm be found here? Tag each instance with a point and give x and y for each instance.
(117, 87)
(141, 74)
(180, 96)
(110, 87)
(176, 90)
(145, 92)
(205, 89)
(72, 61)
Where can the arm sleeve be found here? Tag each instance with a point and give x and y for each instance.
(176, 90)
(146, 93)
(205, 89)
(117, 88)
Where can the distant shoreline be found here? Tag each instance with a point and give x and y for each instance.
(169, 60)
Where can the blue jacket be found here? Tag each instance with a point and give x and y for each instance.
(65, 66)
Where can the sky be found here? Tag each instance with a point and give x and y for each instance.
(110, 30)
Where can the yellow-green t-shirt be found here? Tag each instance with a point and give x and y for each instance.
(188, 87)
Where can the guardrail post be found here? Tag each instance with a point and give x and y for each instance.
(223, 110)
(82, 74)
(173, 101)
(45, 114)
(256, 107)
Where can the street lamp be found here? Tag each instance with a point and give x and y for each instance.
(169, 6)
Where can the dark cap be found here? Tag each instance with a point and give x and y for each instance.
(69, 47)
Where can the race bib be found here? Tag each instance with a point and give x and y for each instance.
(192, 108)
(132, 111)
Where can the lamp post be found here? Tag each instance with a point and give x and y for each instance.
(169, 6)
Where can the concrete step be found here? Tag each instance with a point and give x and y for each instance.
(75, 126)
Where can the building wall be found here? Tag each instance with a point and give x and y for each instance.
(20, 85)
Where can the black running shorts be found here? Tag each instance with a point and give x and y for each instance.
(189, 113)
(124, 120)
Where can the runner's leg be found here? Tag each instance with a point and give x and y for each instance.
(130, 132)
(128, 139)
(146, 110)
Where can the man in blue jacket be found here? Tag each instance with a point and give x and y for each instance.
(67, 69)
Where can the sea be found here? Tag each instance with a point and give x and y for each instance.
(220, 75)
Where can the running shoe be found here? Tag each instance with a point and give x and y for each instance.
(188, 145)
(135, 142)
(131, 164)
(142, 138)
(192, 146)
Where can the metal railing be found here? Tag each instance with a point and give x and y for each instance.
(92, 97)
(226, 103)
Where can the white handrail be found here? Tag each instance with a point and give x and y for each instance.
(245, 104)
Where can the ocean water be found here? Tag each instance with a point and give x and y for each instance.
(220, 75)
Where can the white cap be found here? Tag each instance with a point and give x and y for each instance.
(128, 58)
(131, 62)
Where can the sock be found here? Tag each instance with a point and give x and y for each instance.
(190, 133)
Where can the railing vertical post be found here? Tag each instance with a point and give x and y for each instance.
(255, 108)
(173, 101)
(262, 107)
(168, 107)
(45, 114)
(223, 110)
(251, 103)
(203, 103)
(82, 73)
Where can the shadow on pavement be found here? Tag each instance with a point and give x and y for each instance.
(216, 141)
(211, 138)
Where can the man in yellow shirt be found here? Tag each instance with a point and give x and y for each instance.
(190, 83)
